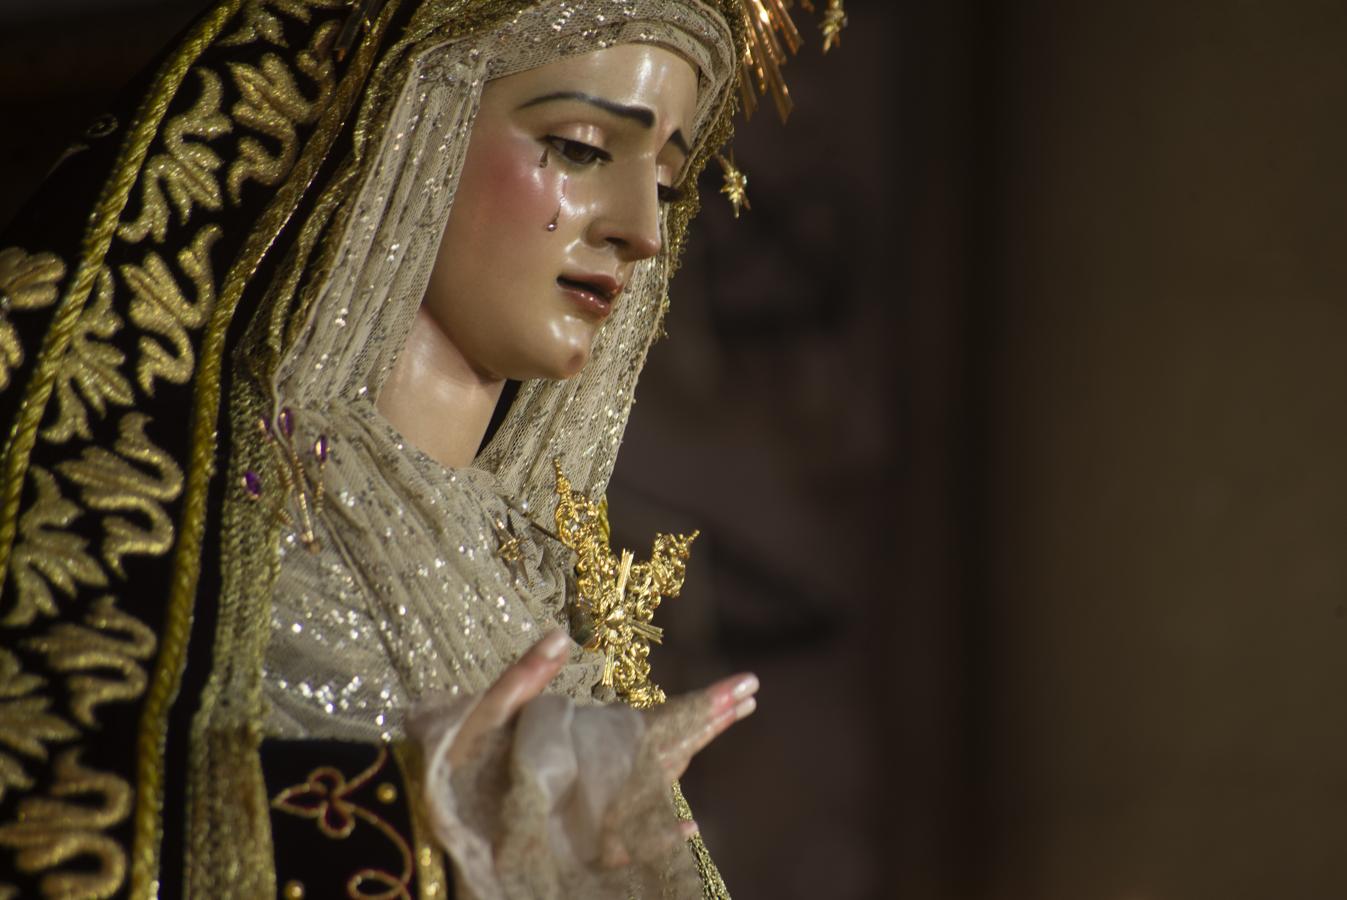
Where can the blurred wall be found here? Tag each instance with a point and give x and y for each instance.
(1166, 472)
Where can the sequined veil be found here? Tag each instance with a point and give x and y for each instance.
(227, 577)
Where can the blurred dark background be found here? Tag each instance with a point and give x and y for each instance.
(1014, 415)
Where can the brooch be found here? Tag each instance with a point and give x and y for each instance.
(618, 594)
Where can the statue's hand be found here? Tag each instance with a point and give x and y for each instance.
(678, 730)
(727, 701)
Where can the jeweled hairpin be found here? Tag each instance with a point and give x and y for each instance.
(296, 480)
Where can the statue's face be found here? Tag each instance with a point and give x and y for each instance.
(559, 198)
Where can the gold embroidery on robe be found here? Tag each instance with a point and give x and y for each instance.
(27, 281)
(274, 105)
(26, 723)
(47, 555)
(111, 483)
(159, 306)
(66, 827)
(260, 22)
(90, 375)
(185, 171)
(111, 641)
(325, 798)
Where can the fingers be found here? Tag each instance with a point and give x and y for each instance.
(517, 685)
(526, 678)
(730, 701)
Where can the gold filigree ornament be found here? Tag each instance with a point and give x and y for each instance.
(618, 595)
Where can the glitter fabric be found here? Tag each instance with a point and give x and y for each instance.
(408, 592)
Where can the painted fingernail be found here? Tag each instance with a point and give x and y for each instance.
(745, 708)
(745, 687)
(556, 645)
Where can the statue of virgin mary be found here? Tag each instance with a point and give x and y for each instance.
(315, 357)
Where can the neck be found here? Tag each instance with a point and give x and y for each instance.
(436, 399)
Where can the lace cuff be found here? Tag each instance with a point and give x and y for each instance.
(555, 794)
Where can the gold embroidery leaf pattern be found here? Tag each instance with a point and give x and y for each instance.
(64, 827)
(26, 725)
(159, 307)
(185, 171)
(111, 483)
(273, 104)
(72, 648)
(260, 22)
(91, 368)
(27, 281)
(46, 556)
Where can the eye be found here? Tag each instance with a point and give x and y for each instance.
(577, 152)
(669, 194)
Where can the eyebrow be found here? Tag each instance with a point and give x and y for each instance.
(636, 113)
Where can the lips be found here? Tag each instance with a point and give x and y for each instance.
(594, 292)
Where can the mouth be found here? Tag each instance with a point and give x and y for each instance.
(594, 293)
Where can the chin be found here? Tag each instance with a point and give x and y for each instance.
(572, 365)
(562, 364)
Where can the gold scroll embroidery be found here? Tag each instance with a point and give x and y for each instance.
(185, 170)
(325, 798)
(97, 646)
(27, 281)
(159, 306)
(111, 484)
(47, 556)
(260, 22)
(90, 374)
(26, 724)
(274, 105)
(67, 827)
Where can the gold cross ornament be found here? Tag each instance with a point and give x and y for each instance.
(618, 594)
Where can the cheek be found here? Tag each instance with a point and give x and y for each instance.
(510, 191)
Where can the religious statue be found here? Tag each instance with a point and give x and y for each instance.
(315, 358)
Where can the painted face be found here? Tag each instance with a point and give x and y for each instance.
(558, 200)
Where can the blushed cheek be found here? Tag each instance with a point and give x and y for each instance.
(518, 189)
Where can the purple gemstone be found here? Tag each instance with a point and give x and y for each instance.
(252, 484)
(320, 448)
(287, 421)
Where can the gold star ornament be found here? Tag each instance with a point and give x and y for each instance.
(736, 183)
(619, 595)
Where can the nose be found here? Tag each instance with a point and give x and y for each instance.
(628, 219)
